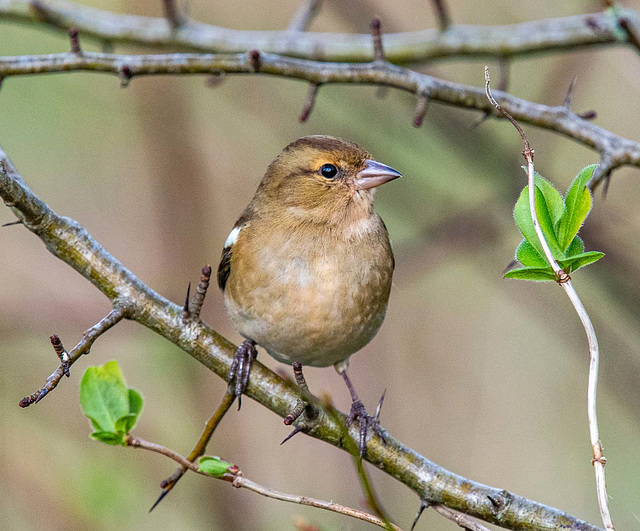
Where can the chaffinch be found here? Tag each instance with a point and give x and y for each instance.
(306, 270)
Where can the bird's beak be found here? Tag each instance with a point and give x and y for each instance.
(374, 174)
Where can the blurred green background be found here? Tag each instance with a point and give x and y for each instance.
(484, 376)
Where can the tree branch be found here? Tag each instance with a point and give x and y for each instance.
(70, 242)
(616, 151)
(418, 46)
(238, 480)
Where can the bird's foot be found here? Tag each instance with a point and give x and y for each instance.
(301, 407)
(365, 421)
(241, 368)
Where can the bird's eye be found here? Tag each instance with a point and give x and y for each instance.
(329, 171)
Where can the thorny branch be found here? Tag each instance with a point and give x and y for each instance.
(614, 150)
(564, 280)
(417, 46)
(70, 242)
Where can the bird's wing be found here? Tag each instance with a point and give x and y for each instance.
(224, 269)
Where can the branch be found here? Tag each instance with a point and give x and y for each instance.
(564, 280)
(238, 480)
(418, 46)
(615, 151)
(70, 242)
(69, 358)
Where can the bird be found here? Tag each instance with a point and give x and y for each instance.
(306, 270)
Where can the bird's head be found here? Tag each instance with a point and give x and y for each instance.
(322, 179)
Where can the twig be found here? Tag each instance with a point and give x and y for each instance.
(172, 14)
(618, 150)
(70, 242)
(547, 35)
(376, 34)
(83, 347)
(442, 12)
(309, 102)
(237, 479)
(564, 280)
(74, 41)
(200, 294)
(303, 17)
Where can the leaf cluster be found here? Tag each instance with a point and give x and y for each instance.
(560, 220)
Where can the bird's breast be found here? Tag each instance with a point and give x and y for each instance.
(311, 297)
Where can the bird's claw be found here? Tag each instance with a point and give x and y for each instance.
(241, 368)
(359, 413)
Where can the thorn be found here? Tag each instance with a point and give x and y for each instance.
(295, 431)
(632, 37)
(172, 14)
(442, 12)
(376, 34)
(125, 75)
(42, 394)
(254, 59)
(75, 42)
(162, 495)
(19, 222)
(569, 97)
(379, 408)
(588, 115)
(423, 505)
(309, 102)
(185, 308)
(421, 109)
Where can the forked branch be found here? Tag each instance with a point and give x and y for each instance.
(67, 240)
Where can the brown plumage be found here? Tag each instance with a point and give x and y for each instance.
(306, 271)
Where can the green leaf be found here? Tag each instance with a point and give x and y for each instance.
(552, 197)
(528, 256)
(108, 437)
(127, 422)
(112, 408)
(581, 260)
(577, 205)
(103, 396)
(213, 466)
(531, 273)
(575, 248)
(522, 216)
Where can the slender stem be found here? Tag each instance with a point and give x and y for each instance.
(239, 481)
(564, 280)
